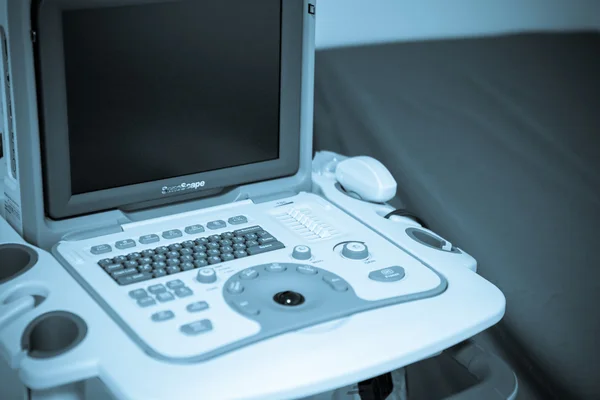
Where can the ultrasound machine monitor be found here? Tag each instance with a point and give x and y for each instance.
(146, 102)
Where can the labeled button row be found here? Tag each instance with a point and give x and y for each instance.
(168, 235)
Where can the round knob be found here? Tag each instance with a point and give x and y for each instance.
(355, 251)
(301, 253)
(206, 275)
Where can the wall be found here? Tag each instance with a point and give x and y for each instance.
(351, 22)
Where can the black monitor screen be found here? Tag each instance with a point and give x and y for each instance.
(166, 89)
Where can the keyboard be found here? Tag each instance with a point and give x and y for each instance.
(190, 254)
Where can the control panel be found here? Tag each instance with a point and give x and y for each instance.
(191, 287)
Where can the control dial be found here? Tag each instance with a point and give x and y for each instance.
(355, 251)
(302, 252)
(206, 275)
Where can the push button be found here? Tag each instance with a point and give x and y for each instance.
(307, 270)
(196, 328)
(216, 224)
(147, 239)
(163, 316)
(125, 244)
(336, 283)
(197, 306)
(245, 307)
(275, 268)
(249, 273)
(238, 219)
(235, 287)
(101, 249)
(391, 274)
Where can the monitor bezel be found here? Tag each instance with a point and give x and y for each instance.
(59, 201)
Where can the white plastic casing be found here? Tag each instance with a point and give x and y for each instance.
(366, 177)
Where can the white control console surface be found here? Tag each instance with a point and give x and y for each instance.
(195, 286)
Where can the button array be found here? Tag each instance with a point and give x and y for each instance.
(149, 296)
(187, 255)
(169, 235)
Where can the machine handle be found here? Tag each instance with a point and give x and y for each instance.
(497, 380)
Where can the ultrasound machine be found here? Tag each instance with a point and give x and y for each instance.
(168, 230)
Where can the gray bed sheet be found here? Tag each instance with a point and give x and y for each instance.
(495, 142)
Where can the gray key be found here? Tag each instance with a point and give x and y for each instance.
(219, 224)
(263, 248)
(166, 296)
(175, 247)
(240, 253)
(186, 251)
(199, 248)
(147, 239)
(201, 241)
(200, 255)
(173, 269)
(124, 272)
(227, 257)
(146, 302)
(237, 220)
(307, 270)
(119, 259)
(156, 289)
(252, 243)
(138, 294)
(105, 263)
(251, 229)
(148, 253)
(177, 283)
(213, 246)
(249, 273)
(185, 259)
(172, 234)
(159, 272)
(335, 283)
(161, 250)
(173, 254)
(198, 327)
(145, 268)
(159, 265)
(197, 306)
(128, 280)
(275, 268)
(113, 268)
(239, 246)
(213, 252)
(186, 266)
(200, 263)
(159, 257)
(214, 260)
(266, 239)
(125, 244)
(145, 260)
(188, 244)
(225, 242)
(130, 264)
(226, 249)
(163, 316)
(251, 236)
(134, 256)
(183, 292)
(390, 274)
(235, 287)
(101, 249)
(194, 229)
(245, 307)
(173, 262)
